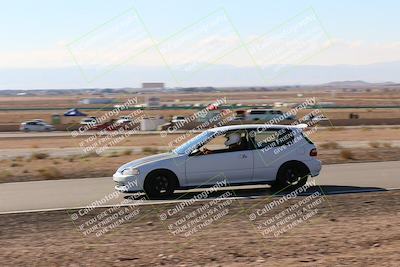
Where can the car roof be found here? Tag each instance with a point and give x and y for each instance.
(256, 126)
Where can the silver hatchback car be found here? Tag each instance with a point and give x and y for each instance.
(280, 155)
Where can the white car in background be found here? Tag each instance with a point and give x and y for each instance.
(123, 120)
(89, 121)
(36, 126)
(279, 155)
(177, 119)
(266, 115)
(315, 118)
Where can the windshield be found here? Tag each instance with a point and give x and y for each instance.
(195, 142)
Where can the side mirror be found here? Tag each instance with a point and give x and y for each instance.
(194, 152)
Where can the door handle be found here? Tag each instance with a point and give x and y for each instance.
(243, 156)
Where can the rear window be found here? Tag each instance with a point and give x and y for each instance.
(307, 139)
(257, 112)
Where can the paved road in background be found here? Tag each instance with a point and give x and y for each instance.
(338, 178)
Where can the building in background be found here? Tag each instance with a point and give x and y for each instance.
(88, 101)
(153, 85)
(153, 102)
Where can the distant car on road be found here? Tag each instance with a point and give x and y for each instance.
(89, 121)
(124, 120)
(36, 126)
(239, 154)
(176, 119)
(39, 120)
(315, 118)
(266, 115)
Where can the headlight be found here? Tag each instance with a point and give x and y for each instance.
(130, 171)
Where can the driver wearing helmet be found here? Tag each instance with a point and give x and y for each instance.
(235, 142)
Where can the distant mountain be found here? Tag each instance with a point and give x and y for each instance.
(214, 75)
(357, 84)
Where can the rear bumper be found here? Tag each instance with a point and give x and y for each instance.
(314, 166)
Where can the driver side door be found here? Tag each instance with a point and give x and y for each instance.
(234, 166)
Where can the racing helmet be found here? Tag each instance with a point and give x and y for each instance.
(232, 138)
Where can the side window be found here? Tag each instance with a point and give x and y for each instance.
(265, 138)
(272, 138)
(217, 144)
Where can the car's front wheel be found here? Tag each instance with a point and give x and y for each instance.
(159, 183)
(291, 175)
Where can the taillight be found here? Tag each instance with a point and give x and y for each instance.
(313, 152)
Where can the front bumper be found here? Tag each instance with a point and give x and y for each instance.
(127, 184)
(125, 189)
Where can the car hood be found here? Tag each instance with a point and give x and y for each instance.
(148, 159)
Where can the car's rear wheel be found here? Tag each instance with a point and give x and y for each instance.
(159, 183)
(291, 175)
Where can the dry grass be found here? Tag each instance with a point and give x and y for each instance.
(150, 150)
(127, 152)
(374, 144)
(15, 164)
(330, 145)
(334, 129)
(387, 145)
(50, 173)
(39, 155)
(113, 154)
(347, 154)
(89, 155)
(6, 175)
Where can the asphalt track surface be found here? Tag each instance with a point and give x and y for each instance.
(79, 193)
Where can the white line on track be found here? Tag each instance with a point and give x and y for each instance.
(339, 192)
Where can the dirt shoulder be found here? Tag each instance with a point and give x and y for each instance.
(347, 230)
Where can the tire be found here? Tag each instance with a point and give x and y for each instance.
(291, 176)
(160, 183)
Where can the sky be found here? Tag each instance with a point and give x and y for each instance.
(99, 39)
